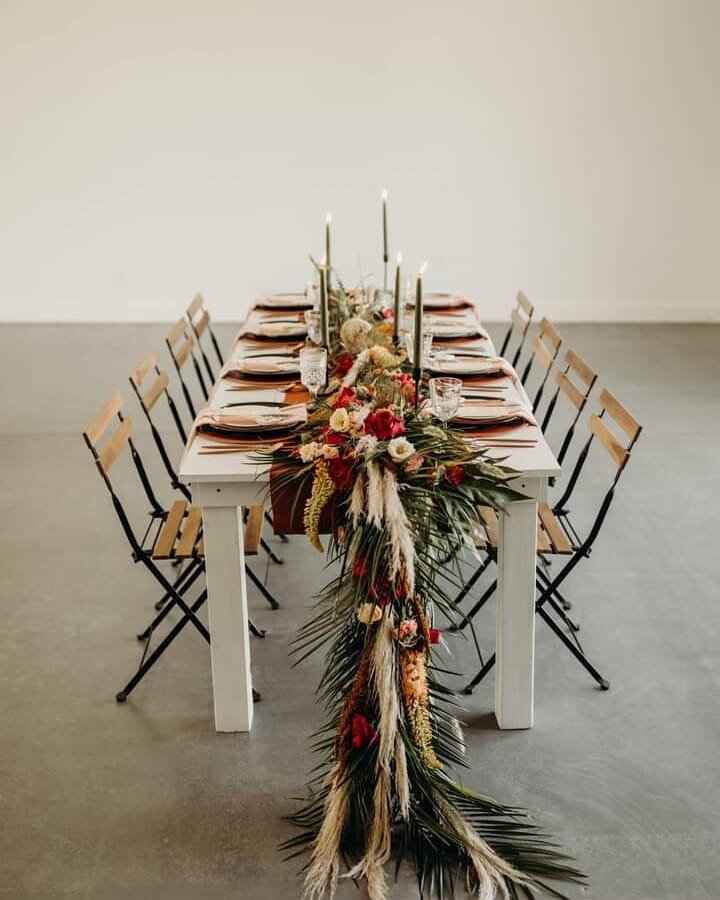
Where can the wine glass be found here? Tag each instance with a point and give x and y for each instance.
(312, 293)
(312, 322)
(445, 397)
(427, 339)
(313, 368)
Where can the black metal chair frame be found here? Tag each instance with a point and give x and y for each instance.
(181, 347)
(549, 587)
(147, 401)
(520, 318)
(142, 548)
(199, 319)
(546, 347)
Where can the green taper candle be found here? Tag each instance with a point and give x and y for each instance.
(328, 263)
(386, 255)
(418, 337)
(324, 317)
(398, 308)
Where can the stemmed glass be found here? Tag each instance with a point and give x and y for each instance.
(312, 322)
(445, 397)
(312, 293)
(313, 368)
(427, 339)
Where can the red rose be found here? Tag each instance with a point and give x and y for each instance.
(406, 385)
(454, 474)
(340, 470)
(384, 424)
(380, 591)
(434, 635)
(362, 732)
(335, 438)
(344, 398)
(343, 365)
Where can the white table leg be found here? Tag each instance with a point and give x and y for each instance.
(515, 626)
(228, 616)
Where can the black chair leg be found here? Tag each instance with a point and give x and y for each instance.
(261, 587)
(268, 519)
(148, 663)
(258, 632)
(270, 552)
(468, 689)
(183, 583)
(578, 654)
(476, 609)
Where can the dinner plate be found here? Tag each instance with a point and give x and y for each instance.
(450, 330)
(465, 366)
(437, 300)
(252, 419)
(285, 301)
(477, 416)
(278, 331)
(268, 365)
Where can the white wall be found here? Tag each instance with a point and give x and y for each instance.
(151, 149)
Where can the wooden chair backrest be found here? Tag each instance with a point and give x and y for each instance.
(198, 316)
(96, 431)
(159, 384)
(576, 367)
(179, 343)
(613, 412)
(522, 312)
(547, 344)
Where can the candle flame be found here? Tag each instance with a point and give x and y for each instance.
(422, 269)
(399, 259)
(323, 262)
(328, 219)
(384, 193)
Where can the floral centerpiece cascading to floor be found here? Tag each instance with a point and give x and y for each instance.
(398, 496)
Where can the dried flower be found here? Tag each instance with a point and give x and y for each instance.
(322, 489)
(414, 463)
(310, 451)
(400, 449)
(329, 451)
(366, 444)
(370, 613)
(361, 731)
(352, 334)
(454, 475)
(407, 628)
(344, 397)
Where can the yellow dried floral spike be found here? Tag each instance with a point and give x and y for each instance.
(322, 490)
(413, 684)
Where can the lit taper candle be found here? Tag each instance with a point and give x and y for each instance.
(418, 336)
(324, 316)
(386, 255)
(398, 308)
(328, 263)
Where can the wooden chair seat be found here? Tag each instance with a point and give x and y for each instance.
(180, 535)
(552, 537)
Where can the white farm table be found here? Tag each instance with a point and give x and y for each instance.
(223, 483)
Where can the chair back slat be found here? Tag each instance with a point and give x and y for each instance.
(578, 365)
(195, 305)
(201, 323)
(617, 412)
(525, 305)
(550, 335)
(179, 343)
(150, 398)
(99, 424)
(574, 394)
(542, 354)
(141, 371)
(608, 440)
(111, 450)
(518, 319)
(176, 332)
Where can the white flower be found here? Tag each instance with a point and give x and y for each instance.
(309, 452)
(329, 451)
(367, 443)
(340, 420)
(352, 334)
(369, 613)
(400, 449)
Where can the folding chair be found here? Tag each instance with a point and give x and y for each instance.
(180, 344)
(574, 367)
(169, 535)
(147, 401)
(557, 536)
(520, 319)
(199, 319)
(545, 349)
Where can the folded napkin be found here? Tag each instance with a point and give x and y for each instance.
(474, 367)
(255, 418)
(477, 414)
(284, 301)
(436, 300)
(279, 366)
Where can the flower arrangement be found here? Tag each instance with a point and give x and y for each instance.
(405, 496)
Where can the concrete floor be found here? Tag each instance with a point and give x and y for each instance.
(145, 801)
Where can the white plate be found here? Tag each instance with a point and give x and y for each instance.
(269, 365)
(435, 300)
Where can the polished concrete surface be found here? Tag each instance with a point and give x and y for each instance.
(145, 801)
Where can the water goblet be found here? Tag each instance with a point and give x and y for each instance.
(445, 397)
(427, 339)
(312, 322)
(313, 368)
